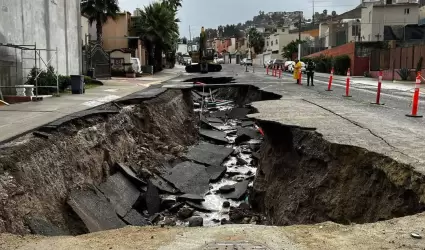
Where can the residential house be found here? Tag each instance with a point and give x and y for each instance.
(421, 12)
(378, 16)
(116, 38)
(276, 41)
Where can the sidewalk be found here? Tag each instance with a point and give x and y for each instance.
(407, 86)
(17, 119)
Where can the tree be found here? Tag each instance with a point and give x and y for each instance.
(174, 4)
(334, 13)
(99, 11)
(157, 27)
(256, 41)
(291, 48)
(184, 40)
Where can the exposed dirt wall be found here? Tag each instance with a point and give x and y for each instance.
(36, 174)
(304, 179)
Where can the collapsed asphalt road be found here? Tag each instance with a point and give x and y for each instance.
(318, 161)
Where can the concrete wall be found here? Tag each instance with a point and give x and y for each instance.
(374, 18)
(49, 24)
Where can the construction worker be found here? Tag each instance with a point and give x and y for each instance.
(297, 70)
(310, 72)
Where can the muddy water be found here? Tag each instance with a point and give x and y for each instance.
(240, 166)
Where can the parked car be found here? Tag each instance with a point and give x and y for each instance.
(276, 63)
(286, 65)
(267, 63)
(248, 62)
(292, 65)
(219, 60)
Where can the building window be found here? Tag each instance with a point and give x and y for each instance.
(272, 43)
(276, 42)
(355, 30)
(267, 43)
(406, 11)
(370, 16)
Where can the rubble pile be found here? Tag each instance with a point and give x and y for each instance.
(208, 186)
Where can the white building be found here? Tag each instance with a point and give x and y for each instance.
(276, 41)
(377, 15)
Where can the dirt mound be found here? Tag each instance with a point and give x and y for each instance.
(304, 179)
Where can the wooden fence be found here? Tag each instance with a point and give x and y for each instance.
(396, 58)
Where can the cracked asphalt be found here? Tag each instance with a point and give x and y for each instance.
(384, 129)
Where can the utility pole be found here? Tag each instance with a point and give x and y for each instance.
(190, 35)
(299, 36)
(313, 13)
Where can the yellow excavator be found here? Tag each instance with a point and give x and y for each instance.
(202, 60)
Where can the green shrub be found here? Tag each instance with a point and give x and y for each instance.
(87, 79)
(118, 72)
(404, 74)
(323, 63)
(45, 78)
(341, 64)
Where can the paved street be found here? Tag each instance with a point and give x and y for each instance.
(353, 121)
(20, 118)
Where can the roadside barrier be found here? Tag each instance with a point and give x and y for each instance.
(280, 72)
(331, 77)
(267, 70)
(347, 85)
(415, 103)
(378, 92)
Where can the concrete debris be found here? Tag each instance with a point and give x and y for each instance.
(130, 174)
(184, 213)
(196, 222)
(44, 227)
(191, 197)
(163, 185)
(189, 177)
(134, 218)
(216, 172)
(217, 136)
(238, 113)
(120, 192)
(153, 201)
(239, 192)
(94, 210)
(226, 189)
(209, 154)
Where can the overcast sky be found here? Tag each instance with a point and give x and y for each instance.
(211, 13)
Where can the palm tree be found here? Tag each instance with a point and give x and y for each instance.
(174, 4)
(256, 41)
(157, 27)
(99, 11)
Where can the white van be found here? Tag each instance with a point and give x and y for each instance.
(136, 65)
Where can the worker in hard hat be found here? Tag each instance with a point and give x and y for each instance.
(297, 70)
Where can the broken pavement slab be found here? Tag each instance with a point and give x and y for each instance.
(44, 227)
(163, 185)
(134, 218)
(120, 192)
(189, 177)
(145, 94)
(217, 136)
(239, 192)
(191, 197)
(131, 175)
(216, 172)
(238, 113)
(209, 154)
(94, 210)
(153, 201)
